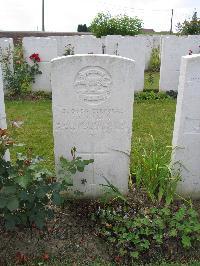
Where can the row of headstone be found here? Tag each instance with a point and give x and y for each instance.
(52, 47)
(173, 48)
(92, 113)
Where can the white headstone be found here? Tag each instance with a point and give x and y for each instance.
(47, 49)
(85, 44)
(186, 137)
(6, 44)
(44, 46)
(3, 124)
(129, 47)
(65, 43)
(43, 81)
(6, 50)
(92, 110)
(88, 44)
(173, 48)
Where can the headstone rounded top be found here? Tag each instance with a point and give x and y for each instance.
(68, 57)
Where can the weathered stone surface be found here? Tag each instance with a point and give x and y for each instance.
(3, 124)
(173, 48)
(129, 47)
(65, 42)
(88, 44)
(6, 50)
(5, 45)
(92, 110)
(43, 81)
(186, 137)
(45, 47)
(2, 105)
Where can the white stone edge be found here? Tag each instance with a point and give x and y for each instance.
(92, 55)
(193, 56)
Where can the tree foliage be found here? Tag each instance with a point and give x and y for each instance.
(104, 24)
(190, 27)
(82, 28)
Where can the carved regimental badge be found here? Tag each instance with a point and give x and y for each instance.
(93, 85)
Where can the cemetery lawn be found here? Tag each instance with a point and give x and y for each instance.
(73, 240)
(154, 118)
(155, 81)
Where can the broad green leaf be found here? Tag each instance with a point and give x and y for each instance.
(39, 222)
(42, 191)
(23, 181)
(57, 199)
(134, 254)
(24, 195)
(10, 224)
(186, 241)
(72, 170)
(173, 232)
(80, 168)
(3, 202)
(8, 190)
(12, 204)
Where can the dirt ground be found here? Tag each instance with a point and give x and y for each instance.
(68, 236)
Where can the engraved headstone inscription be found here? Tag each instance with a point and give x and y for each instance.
(186, 137)
(92, 111)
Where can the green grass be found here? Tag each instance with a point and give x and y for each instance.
(155, 84)
(36, 131)
(149, 118)
(154, 118)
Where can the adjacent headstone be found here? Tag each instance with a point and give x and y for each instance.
(43, 81)
(44, 46)
(129, 47)
(47, 50)
(3, 124)
(85, 44)
(186, 137)
(88, 44)
(92, 110)
(65, 45)
(173, 48)
(6, 46)
(6, 51)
